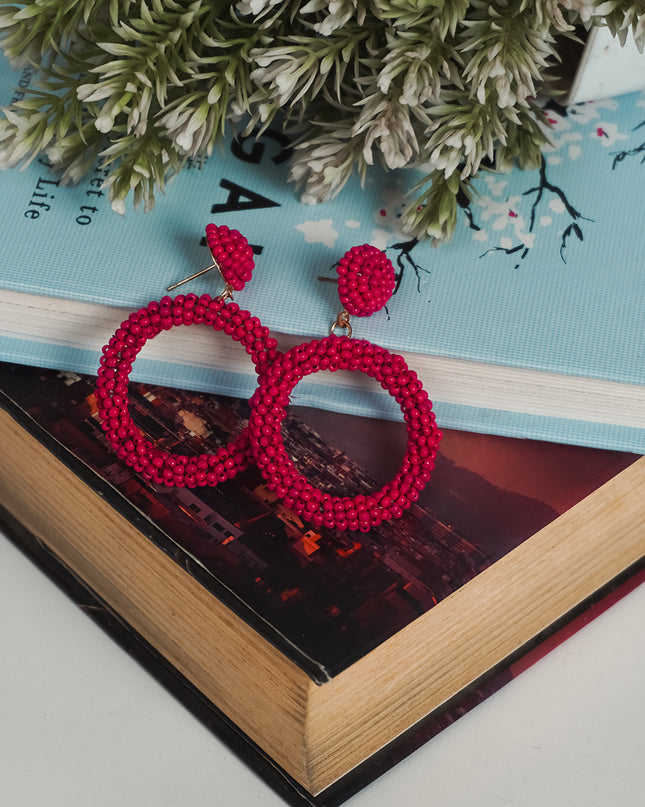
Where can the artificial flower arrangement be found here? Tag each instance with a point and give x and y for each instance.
(449, 85)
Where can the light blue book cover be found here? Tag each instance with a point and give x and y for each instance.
(545, 271)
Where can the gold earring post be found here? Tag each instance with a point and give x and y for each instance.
(227, 294)
(192, 277)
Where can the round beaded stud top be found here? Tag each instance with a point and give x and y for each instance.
(232, 255)
(365, 284)
(366, 281)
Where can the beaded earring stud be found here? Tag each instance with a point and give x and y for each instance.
(366, 283)
(233, 257)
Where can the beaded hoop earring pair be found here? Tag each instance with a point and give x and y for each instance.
(366, 282)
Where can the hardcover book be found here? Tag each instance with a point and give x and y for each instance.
(528, 323)
(331, 655)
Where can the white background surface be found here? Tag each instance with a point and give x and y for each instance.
(82, 725)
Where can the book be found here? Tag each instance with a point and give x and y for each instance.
(332, 654)
(528, 323)
(105, 678)
(150, 724)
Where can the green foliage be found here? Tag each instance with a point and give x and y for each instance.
(447, 84)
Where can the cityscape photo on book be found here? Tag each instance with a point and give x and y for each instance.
(333, 595)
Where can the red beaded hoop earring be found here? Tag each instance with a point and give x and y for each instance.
(233, 257)
(366, 282)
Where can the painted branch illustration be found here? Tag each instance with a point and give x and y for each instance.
(541, 192)
(619, 156)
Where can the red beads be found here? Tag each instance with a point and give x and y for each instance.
(125, 438)
(269, 403)
(365, 280)
(232, 253)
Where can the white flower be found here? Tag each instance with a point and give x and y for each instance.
(189, 128)
(280, 71)
(386, 124)
(70, 172)
(95, 92)
(339, 12)
(255, 7)
(323, 166)
(118, 205)
(13, 125)
(22, 137)
(420, 65)
(285, 83)
(139, 110)
(446, 160)
(419, 84)
(583, 8)
(105, 120)
(431, 230)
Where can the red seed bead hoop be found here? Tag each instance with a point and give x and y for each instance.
(269, 403)
(125, 438)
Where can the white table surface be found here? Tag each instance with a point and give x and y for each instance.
(82, 725)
